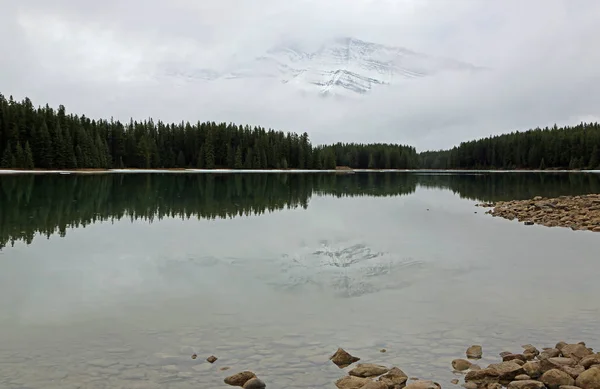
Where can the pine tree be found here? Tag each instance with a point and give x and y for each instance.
(231, 156)
(371, 162)
(28, 159)
(8, 159)
(594, 159)
(248, 160)
(238, 158)
(542, 164)
(201, 163)
(20, 156)
(180, 159)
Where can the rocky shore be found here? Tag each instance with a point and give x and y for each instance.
(575, 212)
(564, 366)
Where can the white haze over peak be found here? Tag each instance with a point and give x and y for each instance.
(117, 58)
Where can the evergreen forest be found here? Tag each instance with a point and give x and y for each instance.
(45, 138)
(576, 147)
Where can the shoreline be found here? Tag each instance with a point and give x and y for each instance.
(580, 213)
(292, 171)
(562, 366)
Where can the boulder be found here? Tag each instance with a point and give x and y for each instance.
(394, 379)
(374, 385)
(474, 352)
(351, 382)
(589, 379)
(549, 353)
(211, 359)
(423, 384)
(507, 371)
(530, 356)
(555, 378)
(533, 368)
(239, 379)
(483, 376)
(342, 358)
(590, 360)
(522, 377)
(254, 383)
(510, 357)
(368, 370)
(573, 371)
(556, 363)
(530, 349)
(526, 384)
(576, 351)
(461, 364)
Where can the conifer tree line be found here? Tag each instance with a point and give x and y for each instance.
(45, 138)
(569, 147)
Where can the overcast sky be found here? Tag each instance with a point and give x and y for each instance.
(111, 58)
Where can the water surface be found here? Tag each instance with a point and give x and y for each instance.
(112, 281)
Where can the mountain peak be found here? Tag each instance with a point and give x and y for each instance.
(341, 66)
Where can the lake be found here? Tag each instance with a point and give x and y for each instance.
(114, 280)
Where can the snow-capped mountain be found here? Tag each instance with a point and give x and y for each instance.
(340, 66)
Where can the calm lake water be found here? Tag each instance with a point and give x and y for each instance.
(113, 281)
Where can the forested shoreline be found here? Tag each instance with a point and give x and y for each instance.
(49, 139)
(44, 138)
(569, 147)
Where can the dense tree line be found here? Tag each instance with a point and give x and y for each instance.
(45, 138)
(576, 147)
(43, 204)
(374, 155)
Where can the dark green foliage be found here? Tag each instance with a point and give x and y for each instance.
(59, 140)
(569, 147)
(370, 156)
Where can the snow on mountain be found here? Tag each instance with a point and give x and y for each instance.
(341, 66)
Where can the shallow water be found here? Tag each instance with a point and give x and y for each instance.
(314, 262)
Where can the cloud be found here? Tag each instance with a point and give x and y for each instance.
(130, 59)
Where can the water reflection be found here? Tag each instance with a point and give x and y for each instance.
(49, 204)
(365, 262)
